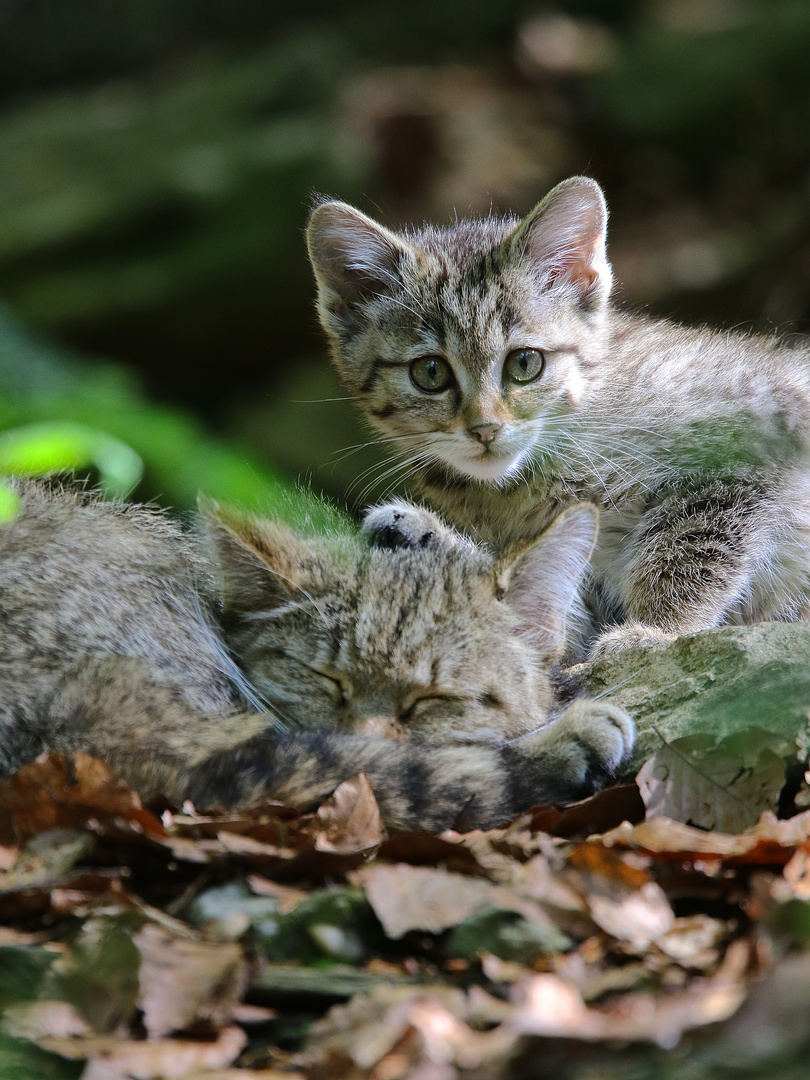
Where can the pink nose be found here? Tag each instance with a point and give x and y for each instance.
(484, 433)
(385, 726)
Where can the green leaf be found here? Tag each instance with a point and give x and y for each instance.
(10, 503)
(46, 448)
(507, 935)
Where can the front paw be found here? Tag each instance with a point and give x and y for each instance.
(606, 735)
(629, 635)
(585, 747)
(400, 524)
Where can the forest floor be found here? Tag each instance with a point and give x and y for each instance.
(583, 942)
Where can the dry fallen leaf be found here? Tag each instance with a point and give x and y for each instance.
(596, 814)
(54, 792)
(350, 820)
(38, 1020)
(769, 842)
(724, 785)
(638, 916)
(285, 896)
(694, 940)
(619, 894)
(110, 1058)
(420, 898)
(394, 1031)
(184, 981)
(549, 1006)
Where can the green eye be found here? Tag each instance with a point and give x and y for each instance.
(524, 365)
(431, 374)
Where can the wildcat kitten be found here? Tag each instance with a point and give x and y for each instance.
(281, 665)
(490, 353)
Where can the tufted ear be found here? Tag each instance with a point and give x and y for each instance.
(542, 581)
(261, 564)
(351, 255)
(564, 238)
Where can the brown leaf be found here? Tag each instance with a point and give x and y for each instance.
(694, 940)
(548, 1005)
(620, 896)
(395, 1030)
(421, 898)
(724, 785)
(450, 849)
(53, 792)
(8, 856)
(796, 875)
(770, 842)
(38, 1020)
(109, 1058)
(240, 844)
(637, 916)
(185, 981)
(600, 862)
(596, 814)
(267, 821)
(350, 821)
(286, 897)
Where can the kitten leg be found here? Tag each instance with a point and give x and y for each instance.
(629, 635)
(694, 555)
(418, 786)
(165, 748)
(426, 785)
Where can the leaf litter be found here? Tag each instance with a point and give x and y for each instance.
(280, 944)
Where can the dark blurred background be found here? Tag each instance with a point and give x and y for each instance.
(157, 162)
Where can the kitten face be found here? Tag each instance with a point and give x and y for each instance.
(468, 346)
(412, 639)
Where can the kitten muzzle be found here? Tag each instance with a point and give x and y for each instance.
(484, 433)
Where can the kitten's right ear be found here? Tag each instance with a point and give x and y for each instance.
(565, 238)
(261, 564)
(541, 581)
(352, 256)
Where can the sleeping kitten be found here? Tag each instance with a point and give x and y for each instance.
(268, 663)
(492, 355)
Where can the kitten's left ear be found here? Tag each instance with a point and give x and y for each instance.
(564, 238)
(351, 255)
(261, 564)
(542, 582)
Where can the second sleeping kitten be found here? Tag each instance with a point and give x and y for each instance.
(269, 663)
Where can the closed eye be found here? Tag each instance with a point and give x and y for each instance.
(333, 684)
(419, 705)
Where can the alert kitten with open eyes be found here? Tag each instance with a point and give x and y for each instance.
(491, 353)
(262, 662)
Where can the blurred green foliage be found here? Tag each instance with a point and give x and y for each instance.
(59, 447)
(41, 384)
(60, 414)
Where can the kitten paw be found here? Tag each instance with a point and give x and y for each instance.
(400, 524)
(604, 733)
(585, 747)
(630, 635)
